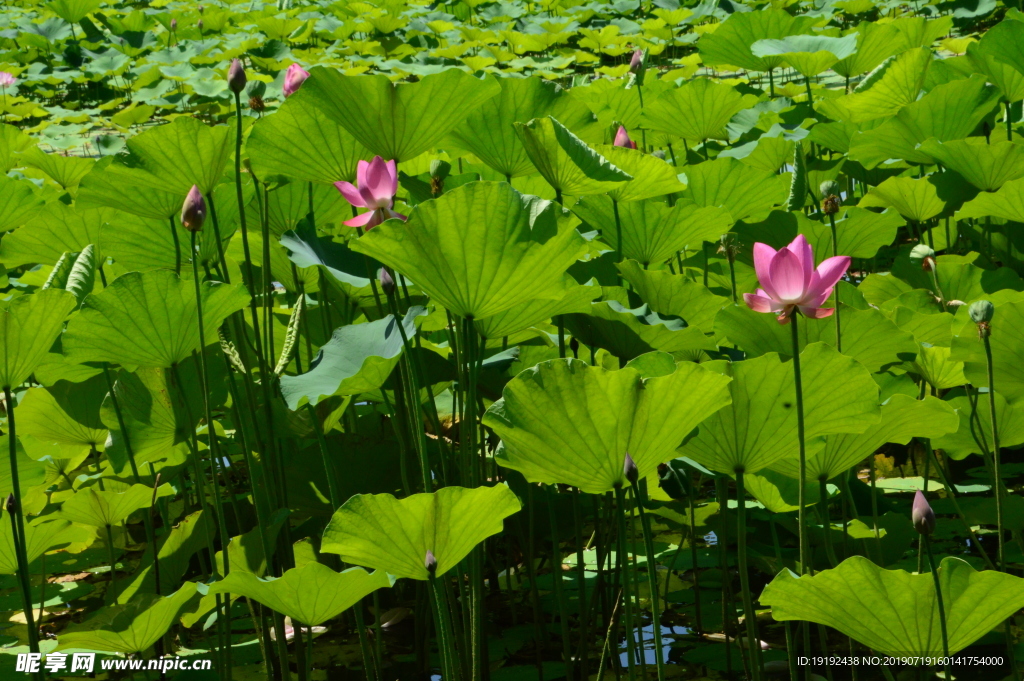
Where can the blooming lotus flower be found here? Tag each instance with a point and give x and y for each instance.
(294, 77)
(789, 281)
(6, 79)
(622, 139)
(378, 184)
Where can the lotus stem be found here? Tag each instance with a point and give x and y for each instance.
(951, 495)
(177, 246)
(835, 252)
(698, 620)
(618, 239)
(442, 622)
(1009, 123)
(810, 95)
(802, 492)
(556, 577)
(652, 579)
(18, 524)
(749, 614)
(926, 540)
(771, 83)
(826, 523)
(622, 563)
(721, 492)
(791, 657)
(996, 465)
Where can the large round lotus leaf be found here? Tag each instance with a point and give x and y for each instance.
(760, 426)
(565, 161)
(674, 295)
(172, 158)
(876, 42)
(101, 508)
(148, 320)
(808, 54)
(746, 192)
(394, 535)
(52, 232)
(66, 413)
(884, 92)
(576, 298)
(652, 176)
(1007, 352)
(397, 121)
(29, 325)
(41, 538)
(697, 111)
(311, 594)
(113, 185)
(129, 628)
(730, 43)
(300, 142)
(653, 231)
(1006, 203)
(18, 202)
(895, 612)
(987, 166)
(480, 249)
(974, 435)
(488, 130)
(564, 421)
(902, 418)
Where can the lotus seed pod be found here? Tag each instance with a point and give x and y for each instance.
(981, 311)
(387, 282)
(430, 562)
(922, 514)
(236, 77)
(193, 211)
(440, 169)
(629, 470)
(829, 188)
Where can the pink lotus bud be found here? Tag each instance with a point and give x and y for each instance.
(922, 514)
(236, 77)
(622, 139)
(199, 25)
(629, 470)
(636, 61)
(193, 211)
(294, 77)
(174, 25)
(387, 282)
(430, 562)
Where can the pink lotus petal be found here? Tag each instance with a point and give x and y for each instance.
(376, 186)
(828, 273)
(816, 312)
(622, 139)
(758, 303)
(362, 220)
(361, 168)
(786, 273)
(763, 254)
(803, 251)
(393, 170)
(351, 194)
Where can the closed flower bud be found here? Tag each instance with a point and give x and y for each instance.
(199, 25)
(924, 255)
(981, 311)
(922, 514)
(829, 187)
(430, 562)
(294, 77)
(636, 61)
(236, 77)
(174, 25)
(12, 504)
(193, 211)
(387, 282)
(200, 8)
(629, 470)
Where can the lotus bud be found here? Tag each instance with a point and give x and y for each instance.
(981, 312)
(430, 562)
(829, 187)
(924, 254)
(574, 346)
(193, 211)
(636, 61)
(622, 139)
(12, 503)
(922, 514)
(387, 282)
(199, 25)
(294, 77)
(439, 170)
(629, 470)
(174, 25)
(200, 8)
(236, 77)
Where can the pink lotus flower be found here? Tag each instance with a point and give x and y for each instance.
(622, 139)
(789, 281)
(294, 77)
(378, 184)
(636, 60)
(6, 79)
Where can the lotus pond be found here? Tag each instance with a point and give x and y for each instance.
(510, 341)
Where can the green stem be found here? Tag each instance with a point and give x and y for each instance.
(835, 252)
(749, 614)
(996, 465)
(802, 493)
(652, 580)
(826, 523)
(556, 578)
(938, 598)
(622, 563)
(177, 247)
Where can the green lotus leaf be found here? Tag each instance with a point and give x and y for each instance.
(67, 171)
(57, 230)
(177, 548)
(30, 474)
(653, 231)
(448, 523)
(730, 44)
(357, 359)
(66, 413)
(141, 244)
(73, 11)
(948, 112)
(565, 161)
(100, 509)
(42, 537)
(131, 627)
(915, 199)
(521, 317)
(876, 42)
(895, 612)
(919, 31)
(902, 418)
(488, 130)
(987, 166)
(29, 325)
(1007, 203)
(746, 192)
(674, 295)
(480, 249)
(974, 436)
(1007, 352)
(628, 334)
(148, 320)
(861, 232)
(186, 152)
(651, 176)
(697, 111)
(885, 91)
(759, 427)
(309, 250)
(934, 366)
(868, 336)
(780, 493)
(311, 594)
(18, 203)
(984, 58)
(300, 142)
(808, 54)
(397, 121)
(933, 329)
(566, 422)
(1005, 42)
(113, 185)
(12, 141)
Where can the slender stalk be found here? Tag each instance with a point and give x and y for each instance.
(557, 580)
(802, 492)
(177, 247)
(652, 579)
(622, 563)
(938, 598)
(996, 465)
(18, 524)
(826, 523)
(749, 614)
(835, 252)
